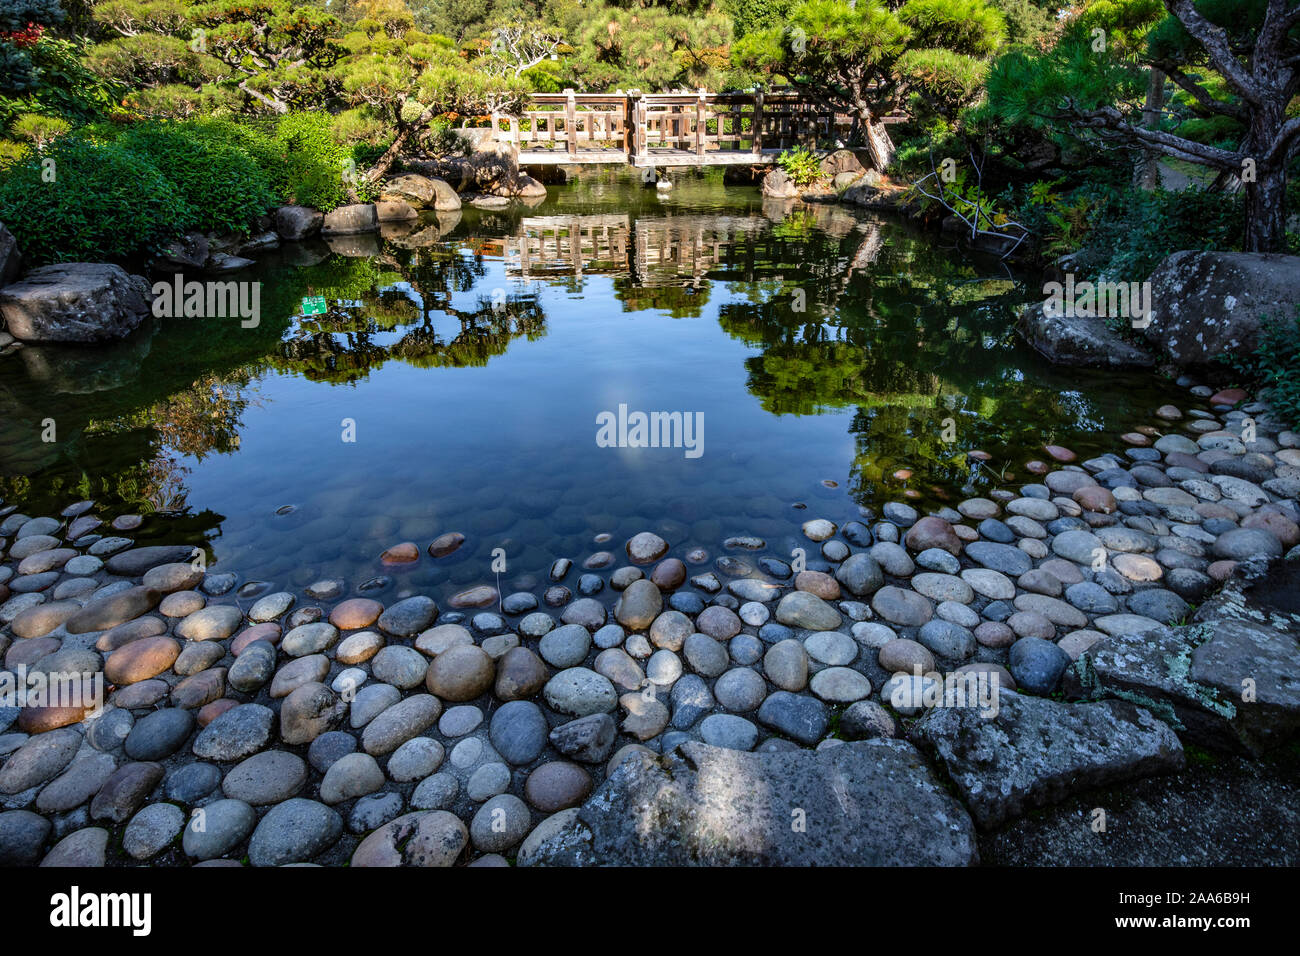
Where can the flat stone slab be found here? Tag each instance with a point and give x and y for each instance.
(1230, 680)
(1034, 752)
(873, 803)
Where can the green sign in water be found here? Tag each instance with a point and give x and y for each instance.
(313, 305)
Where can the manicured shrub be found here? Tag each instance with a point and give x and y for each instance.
(223, 185)
(315, 162)
(104, 201)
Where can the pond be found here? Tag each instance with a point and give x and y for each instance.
(455, 380)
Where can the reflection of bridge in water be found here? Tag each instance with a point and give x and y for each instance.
(652, 251)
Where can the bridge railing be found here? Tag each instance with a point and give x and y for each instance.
(630, 125)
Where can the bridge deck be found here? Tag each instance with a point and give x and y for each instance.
(654, 156)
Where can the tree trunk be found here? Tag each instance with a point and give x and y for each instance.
(879, 145)
(1265, 184)
(1147, 174)
(385, 162)
(1266, 210)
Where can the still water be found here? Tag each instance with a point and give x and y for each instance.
(470, 355)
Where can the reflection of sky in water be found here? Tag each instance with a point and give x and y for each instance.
(465, 424)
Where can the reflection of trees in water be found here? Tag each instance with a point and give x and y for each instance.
(200, 420)
(404, 315)
(902, 334)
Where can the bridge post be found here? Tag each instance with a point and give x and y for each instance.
(701, 122)
(757, 129)
(571, 122)
(638, 127)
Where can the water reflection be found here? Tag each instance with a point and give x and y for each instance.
(807, 326)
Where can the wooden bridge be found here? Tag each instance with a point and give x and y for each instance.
(667, 129)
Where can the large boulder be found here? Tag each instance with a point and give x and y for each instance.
(10, 256)
(1209, 304)
(190, 251)
(777, 184)
(74, 302)
(840, 161)
(869, 803)
(351, 220)
(522, 186)
(1032, 752)
(422, 192)
(296, 223)
(871, 191)
(1078, 340)
(487, 163)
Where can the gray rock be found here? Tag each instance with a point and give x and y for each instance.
(160, 734)
(22, 835)
(152, 830)
(236, 734)
(873, 803)
(740, 690)
(578, 692)
(866, 719)
(436, 792)
(294, 832)
(217, 828)
(268, 777)
(860, 574)
(409, 617)
(1078, 340)
(1209, 304)
(399, 723)
(729, 731)
(81, 849)
(373, 811)
(501, 823)
(74, 302)
(566, 646)
(191, 782)
(947, 639)
(40, 759)
(1037, 664)
(349, 777)
(999, 557)
(1034, 752)
(1194, 677)
(795, 715)
(518, 731)
(588, 739)
(416, 759)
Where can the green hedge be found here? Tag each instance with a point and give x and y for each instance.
(223, 185)
(104, 201)
(122, 192)
(314, 162)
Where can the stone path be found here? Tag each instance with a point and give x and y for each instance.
(246, 725)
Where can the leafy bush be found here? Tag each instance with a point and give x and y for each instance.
(802, 166)
(1142, 228)
(223, 185)
(39, 130)
(1275, 364)
(315, 162)
(106, 202)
